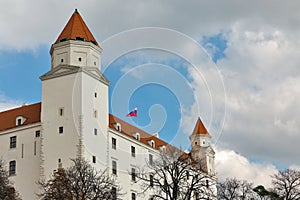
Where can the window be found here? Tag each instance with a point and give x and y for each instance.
(95, 94)
(37, 133)
(152, 143)
(61, 111)
(132, 151)
(118, 127)
(79, 59)
(113, 143)
(61, 60)
(22, 153)
(34, 148)
(133, 174)
(95, 113)
(95, 131)
(94, 159)
(150, 159)
(114, 193)
(207, 184)
(95, 63)
(151, 180)
(133, 196)
(13, 142)
(19, 122)
(12, 167)
(114, 167)
(137, 136)
(61, 129)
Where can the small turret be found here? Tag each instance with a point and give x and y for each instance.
(202, 152)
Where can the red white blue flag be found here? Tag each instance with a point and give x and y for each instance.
(133, 113)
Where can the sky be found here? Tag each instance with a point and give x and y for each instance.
(234, 64)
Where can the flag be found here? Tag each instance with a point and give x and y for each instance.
(133, 113)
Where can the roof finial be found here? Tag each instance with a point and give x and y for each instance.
(76, 11)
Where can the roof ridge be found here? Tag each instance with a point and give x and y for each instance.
(19, 107)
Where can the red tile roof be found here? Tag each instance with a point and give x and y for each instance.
(76, 27)
(130, 130)
(32, 113)
(200, 128)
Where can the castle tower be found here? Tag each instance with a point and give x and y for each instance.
(74, 100)
(202, 151)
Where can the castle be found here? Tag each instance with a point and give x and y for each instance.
(73, 120)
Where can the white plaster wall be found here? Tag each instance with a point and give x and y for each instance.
(61, 92)
(125, 162)
(95, 145)
(28, 166)
(70, 51)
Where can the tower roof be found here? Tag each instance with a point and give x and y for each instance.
(76, 29)
(199, 128)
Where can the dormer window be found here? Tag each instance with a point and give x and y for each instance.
(20, 120)
(118, 126)
(152, 143)
(137, 136)
(163, 149)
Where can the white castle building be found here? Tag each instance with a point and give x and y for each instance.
(73, 119)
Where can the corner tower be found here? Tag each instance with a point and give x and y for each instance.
(202, 150)
(74, 100)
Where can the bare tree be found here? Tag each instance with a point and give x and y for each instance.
(175, 176)
(264, 194)
(287, 184)
(233, 188)
(7, 191)
(80, 182)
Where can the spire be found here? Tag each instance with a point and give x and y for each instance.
(76, 29)
(199, 128)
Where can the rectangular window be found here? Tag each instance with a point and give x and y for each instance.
(61, 129)
(12, 167)
(132, 151)
(133, 196)
(22, 154)
(95, 94)
(13, 142)
(133, 174)
(94, 159)
(19, 122)
(114, 193)
(61, 111)
(38, 133)
(34, 148)
(113, 143)
(95, 131)
(151, 180)
(114, 167)
(150, 159)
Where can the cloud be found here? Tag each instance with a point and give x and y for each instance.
(7, 103)
(229, 164)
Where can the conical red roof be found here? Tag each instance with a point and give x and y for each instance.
(76, 29)
(200, 128)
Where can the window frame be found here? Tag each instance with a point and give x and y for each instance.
(113, 143)
(12, 167)
(133, 151)
(13, 142)
(114, 167)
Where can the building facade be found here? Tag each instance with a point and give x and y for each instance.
(73, 120)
